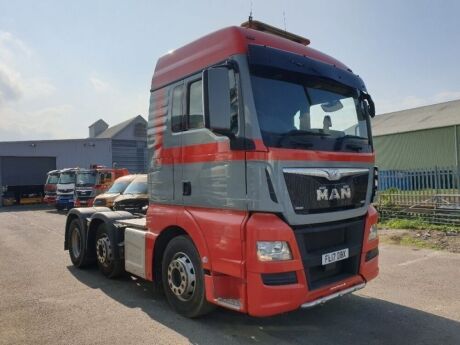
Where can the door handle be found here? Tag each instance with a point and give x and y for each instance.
(186, 188)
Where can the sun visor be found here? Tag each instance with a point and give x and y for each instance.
(262, 56)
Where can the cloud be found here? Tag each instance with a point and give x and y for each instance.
(26, 96)
(43, 123)
(10, 84)
(99, 85)
(408, 102)
(10, 46)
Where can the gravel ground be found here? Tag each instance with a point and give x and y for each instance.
(45, 300)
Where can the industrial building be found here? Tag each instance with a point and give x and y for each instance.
(420, 138)
(25, 163)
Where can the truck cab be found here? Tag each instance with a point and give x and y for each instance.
(261, 179)
(50, 188)
(65, 189)
(94, 181)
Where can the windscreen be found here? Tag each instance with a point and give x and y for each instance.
(52, 179)
(298, 112)
(67, 178)
(138, 186)
(86, 179)
(118, 187)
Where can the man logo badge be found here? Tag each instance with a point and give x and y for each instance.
(322, 193)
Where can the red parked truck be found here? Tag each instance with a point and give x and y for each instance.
(261, 178)
(52, 179)
(94, 181)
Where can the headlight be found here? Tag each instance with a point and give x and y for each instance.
(373, 233)
(273, 251)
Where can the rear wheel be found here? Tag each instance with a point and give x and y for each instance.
(77, 248)
(183, 278)
(105, 252)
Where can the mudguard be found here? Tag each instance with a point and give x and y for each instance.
(82, 214)
(115, 230)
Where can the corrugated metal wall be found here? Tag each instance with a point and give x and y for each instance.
(419, 149)
(130, 154)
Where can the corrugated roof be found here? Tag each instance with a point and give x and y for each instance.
(114, 130)
(430, 116)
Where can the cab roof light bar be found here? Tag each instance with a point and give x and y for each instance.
(260, 26)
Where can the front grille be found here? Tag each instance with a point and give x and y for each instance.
(133, 206)
(316, 194)
(316, 240)
(83, 195)
(65, 190)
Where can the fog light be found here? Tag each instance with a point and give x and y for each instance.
(373, 232)
(273, 251)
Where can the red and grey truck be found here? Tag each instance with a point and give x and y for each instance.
(94, 181)
(261, 180)
(52, 179)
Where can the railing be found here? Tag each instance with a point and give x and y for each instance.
(432, 195)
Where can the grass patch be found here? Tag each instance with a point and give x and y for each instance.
(415, 242)
(410, 241)
(416, 224)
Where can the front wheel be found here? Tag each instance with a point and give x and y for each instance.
(183, 278)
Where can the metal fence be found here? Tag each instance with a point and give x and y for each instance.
(432, 195)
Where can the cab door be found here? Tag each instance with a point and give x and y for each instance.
(212, 174)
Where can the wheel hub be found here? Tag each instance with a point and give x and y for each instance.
(104, 250)
(181, 276)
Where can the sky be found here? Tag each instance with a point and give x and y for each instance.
(65, 64)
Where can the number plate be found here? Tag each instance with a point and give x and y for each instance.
(329, 258)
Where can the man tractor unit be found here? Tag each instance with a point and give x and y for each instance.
(261, 177)
(94, 181)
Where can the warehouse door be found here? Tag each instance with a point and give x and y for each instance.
(25, 171)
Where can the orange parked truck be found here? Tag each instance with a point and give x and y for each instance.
(94, 181)
(261, 178)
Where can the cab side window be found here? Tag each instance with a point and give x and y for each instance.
(233, 101)
(195, 117)
(176, 109)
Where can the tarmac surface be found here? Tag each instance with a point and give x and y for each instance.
(45, 300)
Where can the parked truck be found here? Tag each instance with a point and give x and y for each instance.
(261, 178)
(94, 181)
(65, 189)
(52, 179)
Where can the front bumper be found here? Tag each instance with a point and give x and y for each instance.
(49, 199)
(266, 300)
(65, 201)
(84, 202)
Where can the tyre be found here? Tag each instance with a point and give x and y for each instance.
(105, 253)
(59, 207)
(183, 278)
(77, 249)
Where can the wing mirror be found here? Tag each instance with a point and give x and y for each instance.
(368, 104)
(216, 94)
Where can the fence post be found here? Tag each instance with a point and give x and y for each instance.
(436, 179)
